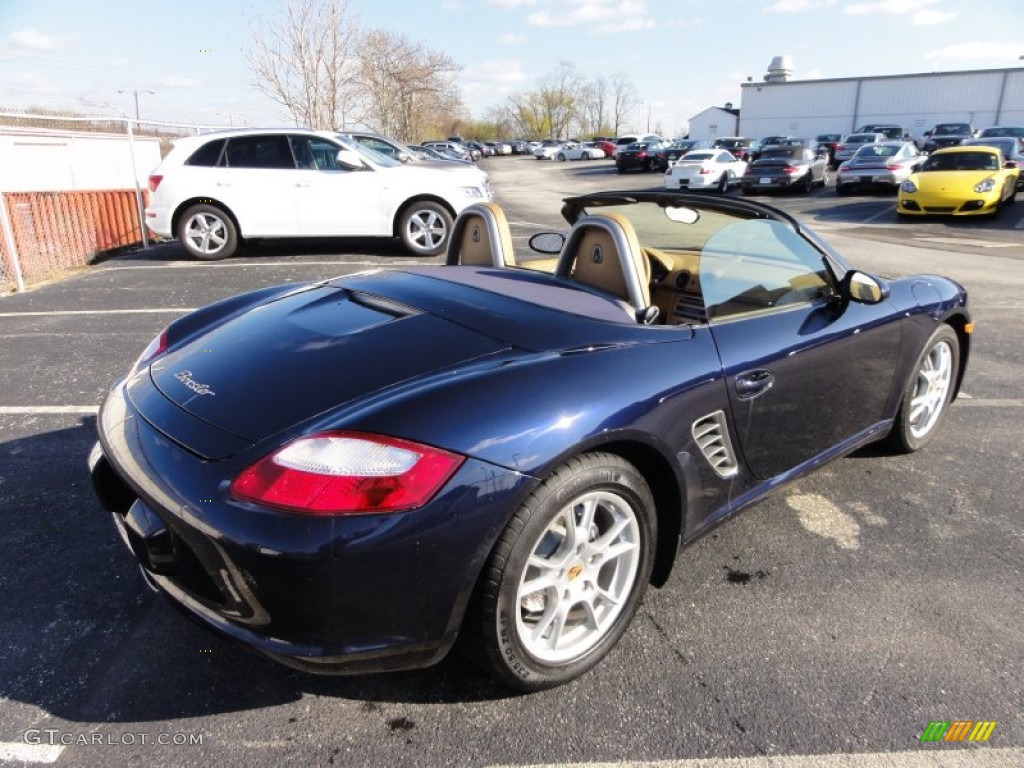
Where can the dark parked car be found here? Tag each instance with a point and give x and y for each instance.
(638, 156)
(741, 148)
(789, 168)
(947, 135)
(663, 158)
(1016, 131)
(355, 474)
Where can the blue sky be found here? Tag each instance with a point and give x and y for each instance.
(681, 55)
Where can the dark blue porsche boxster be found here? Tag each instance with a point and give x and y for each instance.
(356, 474)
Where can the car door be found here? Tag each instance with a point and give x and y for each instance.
(804, 371)
(255, 179)
(334, 201)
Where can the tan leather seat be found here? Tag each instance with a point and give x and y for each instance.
(602, 251)
(481, 237)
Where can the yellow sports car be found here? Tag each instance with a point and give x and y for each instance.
(959, 181)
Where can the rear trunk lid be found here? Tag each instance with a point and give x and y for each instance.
(289, 360)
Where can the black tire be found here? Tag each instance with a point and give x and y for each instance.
(747, 190)
(207, 232)
(425, 227)
(564, 645)
(909, 434)
(806, 183)
(561, 157)
(723, 182)
(620, 170)
(842, 189)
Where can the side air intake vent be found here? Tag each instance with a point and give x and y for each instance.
(712, 436)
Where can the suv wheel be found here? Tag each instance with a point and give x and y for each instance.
(425, 228)
(207, 232)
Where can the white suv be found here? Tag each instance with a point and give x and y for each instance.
(214, 190)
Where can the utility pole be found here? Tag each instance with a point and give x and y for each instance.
(136, 92)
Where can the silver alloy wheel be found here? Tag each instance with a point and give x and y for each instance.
(931, 389)
(206, 233)
(427, 229)
(578, 577)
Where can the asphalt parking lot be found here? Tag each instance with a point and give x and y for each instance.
(826, 626)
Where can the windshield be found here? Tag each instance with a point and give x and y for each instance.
(962, 161)
(656, 229)
(877, 150)
(369, 154)
(946, 128)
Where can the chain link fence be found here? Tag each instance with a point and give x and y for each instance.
(72, 187)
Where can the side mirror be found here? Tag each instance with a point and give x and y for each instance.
(1010, 164)
(547, 242)
(404, 157)
(350, 159)
(864, 288)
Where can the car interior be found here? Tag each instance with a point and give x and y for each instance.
(749, 265)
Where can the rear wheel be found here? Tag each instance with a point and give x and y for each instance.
(928, 393)
(424, 227)
(566, 576)
(723, 182)
(561, 157)
(207, 232)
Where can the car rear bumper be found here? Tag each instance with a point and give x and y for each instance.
(870, 176)
(338, 594)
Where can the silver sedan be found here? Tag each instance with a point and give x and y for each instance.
(886, 164)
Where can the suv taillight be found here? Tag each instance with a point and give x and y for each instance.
(154, 181)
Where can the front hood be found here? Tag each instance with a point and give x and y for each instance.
(289, 360)
(956, 182)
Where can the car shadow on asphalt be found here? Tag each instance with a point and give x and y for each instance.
(171, 250)
(82, 638)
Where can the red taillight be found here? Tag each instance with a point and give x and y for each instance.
(892, 167)
(704, 171)
(347, 472)
(840, 147)
(789, 169)
(641, 154)
(154, 181)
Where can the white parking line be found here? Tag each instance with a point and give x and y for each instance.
(12, 751)
(965, 241)
(981, 757)
(32, 410)
(61, 312)
(236, 263)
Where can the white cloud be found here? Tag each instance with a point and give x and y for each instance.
(512, 3)
(450, 5)
(636, 24)
(512, 39)
(625, 14)
(490, 73)
(176, 81)
(34, 40)
(28, 41)
(894, 7)
(931, 18)
(30, 84)
(977, 51)
(797, 6)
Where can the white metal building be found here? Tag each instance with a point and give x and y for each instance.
(714, 122)
(805, 108)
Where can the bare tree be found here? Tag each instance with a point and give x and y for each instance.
(623, 100)
(558, 96)
(593, 103)
(406, 87)
(304, 60)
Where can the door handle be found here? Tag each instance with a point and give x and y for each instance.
(753, 383)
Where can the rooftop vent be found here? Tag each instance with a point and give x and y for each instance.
(780, 70)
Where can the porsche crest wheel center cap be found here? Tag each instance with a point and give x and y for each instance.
(574, 572)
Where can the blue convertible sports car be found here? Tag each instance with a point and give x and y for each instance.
(358, 474)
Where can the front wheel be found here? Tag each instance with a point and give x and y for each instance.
(207, 232)
(425, 227)
(723, 182)
(566, 576)
(928, 393)
(561, 157)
